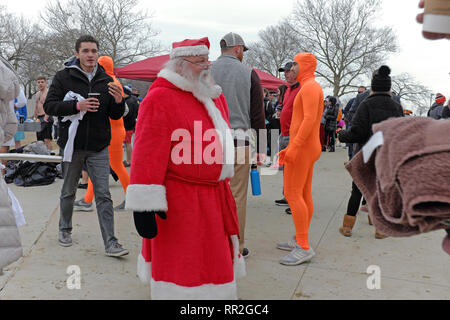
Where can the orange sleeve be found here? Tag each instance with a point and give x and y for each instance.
(116, 81)
(310, 99)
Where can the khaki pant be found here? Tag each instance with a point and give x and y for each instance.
(239, 188)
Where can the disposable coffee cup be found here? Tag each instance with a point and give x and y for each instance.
(94, 95)
(436, 17)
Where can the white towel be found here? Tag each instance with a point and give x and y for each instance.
(68, 150)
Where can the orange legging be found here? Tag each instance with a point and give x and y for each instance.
(297, 190)
(304, 148)
(115, 150)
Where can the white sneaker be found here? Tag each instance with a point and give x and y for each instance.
(288, 246)
(298, 256)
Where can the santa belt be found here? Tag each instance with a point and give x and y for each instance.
(227, 202)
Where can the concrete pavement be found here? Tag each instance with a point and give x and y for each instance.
(411, 268)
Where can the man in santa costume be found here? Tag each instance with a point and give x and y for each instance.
(179, 192)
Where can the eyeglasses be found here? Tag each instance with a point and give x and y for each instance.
(205, 65)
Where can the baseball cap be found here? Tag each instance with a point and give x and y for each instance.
(287, 67)
(233, 39)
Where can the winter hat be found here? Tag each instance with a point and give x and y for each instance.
(190, 47)
(127, 90)
(440, 98)
(381, 81)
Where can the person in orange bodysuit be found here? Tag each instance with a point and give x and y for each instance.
(115, 149)
(303, 151)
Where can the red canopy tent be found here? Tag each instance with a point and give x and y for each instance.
(148, 69)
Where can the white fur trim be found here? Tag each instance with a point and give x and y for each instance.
(238, 260)
(224, 133)
(161, 290)
(177, 80)
(142, 197)
(221, 126)
(144, 270)
(188, 51)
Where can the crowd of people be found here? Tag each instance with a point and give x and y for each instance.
(199, 153)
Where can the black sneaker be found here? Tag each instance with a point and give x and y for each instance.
(281, 202)
(245, 253)
(288, 211)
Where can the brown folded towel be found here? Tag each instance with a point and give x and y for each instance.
(425, 185)
(407, 183)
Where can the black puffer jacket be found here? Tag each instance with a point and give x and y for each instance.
(331, 117)
(374, 109)
(94, 131)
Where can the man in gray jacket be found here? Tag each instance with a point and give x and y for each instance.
(243, 92)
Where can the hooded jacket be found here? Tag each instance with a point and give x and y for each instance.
(10, 244)
(108, 64)
(94, 131)
(309, 100)
(435, 111)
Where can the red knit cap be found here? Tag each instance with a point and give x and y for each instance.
(440, 98)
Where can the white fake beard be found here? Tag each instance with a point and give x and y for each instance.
(203, 84)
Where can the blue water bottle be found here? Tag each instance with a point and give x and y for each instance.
(256, 182)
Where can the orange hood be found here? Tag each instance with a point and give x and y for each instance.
(307, 63)
(108, 64)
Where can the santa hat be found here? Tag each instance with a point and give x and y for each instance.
(190, 47)
(440, 98)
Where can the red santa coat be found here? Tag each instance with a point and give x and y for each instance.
(196, 252)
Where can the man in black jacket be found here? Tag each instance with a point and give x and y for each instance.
(69, 96)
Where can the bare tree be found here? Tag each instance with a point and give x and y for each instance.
(412, 92)
(124, 32)
(18, 40)
(342, 36)
(275, 48)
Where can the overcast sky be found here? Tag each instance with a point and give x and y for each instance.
(428, 61)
